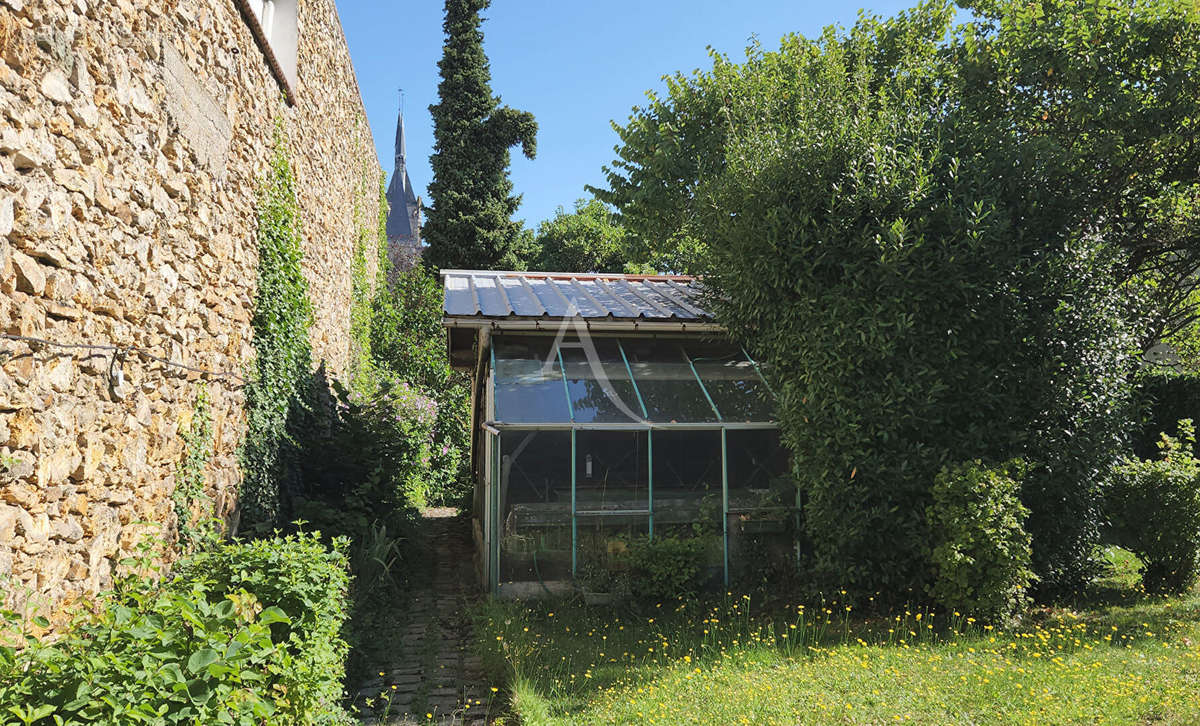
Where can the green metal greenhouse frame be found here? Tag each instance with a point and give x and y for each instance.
(493, 427)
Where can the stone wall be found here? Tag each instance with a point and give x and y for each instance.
(133, 135)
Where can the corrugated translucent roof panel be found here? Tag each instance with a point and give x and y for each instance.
(488, 294)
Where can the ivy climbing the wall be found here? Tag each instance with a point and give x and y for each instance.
(283, 356)
(371, 239)
(193, 508)
(384, 269)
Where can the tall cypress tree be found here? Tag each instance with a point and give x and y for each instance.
(469, 224)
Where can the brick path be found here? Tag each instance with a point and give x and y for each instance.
(436, 678)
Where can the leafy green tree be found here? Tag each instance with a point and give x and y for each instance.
(667, 148)
(1113, 119)
(587, 240)
(926, 231)
(469, 223)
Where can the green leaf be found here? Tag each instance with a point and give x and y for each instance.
(199, 691)
(201, 659)
(173, 672)
(273, 614)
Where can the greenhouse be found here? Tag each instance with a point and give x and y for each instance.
(611, 413)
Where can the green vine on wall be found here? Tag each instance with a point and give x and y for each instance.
(361, 361)
(193, 507)
(385, 265)
(282, 317)
(362, 358)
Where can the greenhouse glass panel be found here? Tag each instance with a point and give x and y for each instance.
(528, 388)
(600, 389)
(762, 498)
(612, 471)
(757, 461)
(666, 382)
(604, 545)
(687, 492)
(733, 383)
(535, 506)
(612, 500)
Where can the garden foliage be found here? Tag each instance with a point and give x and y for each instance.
(1154, 511)
(981, 551)
(589, 239)
(408, 346)
(665, 568)
(384, 449)
(370, 242)
(280, 381)
(924, 231)
(469, 221)
(193, 507)
(387, 444)
(1165, 397)
(247, 634)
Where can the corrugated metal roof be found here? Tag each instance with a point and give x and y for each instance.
(488, 294)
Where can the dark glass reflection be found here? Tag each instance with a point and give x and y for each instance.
(535, 505)
(612, 470)
(732, 382)
(669, 388)
(757, 460)
(600, 390)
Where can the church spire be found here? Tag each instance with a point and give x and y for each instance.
(400, 150)
(404, 220)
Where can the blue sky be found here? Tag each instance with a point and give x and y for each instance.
(575, 65)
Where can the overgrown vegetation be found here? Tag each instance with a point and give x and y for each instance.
(281, 376)
(409, 344)
(1154, 511)
(735, 660)
(391, 435)
(369, 243)
(389, 445)
(309, 582)
(926, 233)
(193, 507)
(665, 567)
(244, 634)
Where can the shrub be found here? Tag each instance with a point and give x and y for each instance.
(377, 452)
(243, 635)
(307, 581)
(1164, 397)
(1154, 511)
(981, 552)
(665, 567)
(408, 342)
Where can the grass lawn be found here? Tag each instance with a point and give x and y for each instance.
(1122, 658)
